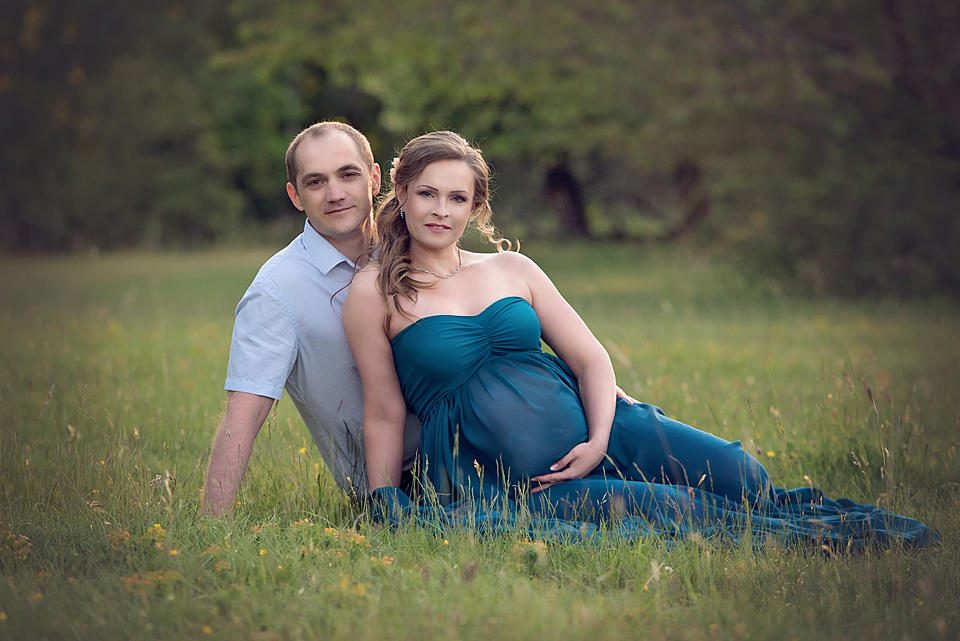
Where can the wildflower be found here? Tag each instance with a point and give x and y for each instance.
(348, 585)
(17, 544)
(262, 552)
(529, 554)
(119, 539)
(207, 629)
(771, 453)
(303, 450)
(446, 542)
(3, 616)
(156, 534)
(36, 597)
(174, 553)
(152, 580)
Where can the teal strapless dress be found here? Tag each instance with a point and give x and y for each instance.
(496, 410)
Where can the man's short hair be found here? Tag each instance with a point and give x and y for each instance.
(320, 129)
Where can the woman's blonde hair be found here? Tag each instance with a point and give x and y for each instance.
(392, 240)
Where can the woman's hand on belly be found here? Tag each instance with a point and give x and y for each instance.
(581, 460)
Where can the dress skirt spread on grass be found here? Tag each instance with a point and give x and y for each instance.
(497, 410)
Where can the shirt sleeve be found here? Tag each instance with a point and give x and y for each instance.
(264, 346)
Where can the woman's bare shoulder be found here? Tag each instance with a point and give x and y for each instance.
(504, 260)
(364, 285)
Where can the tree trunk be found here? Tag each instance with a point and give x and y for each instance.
(563, 195)
(687, 178)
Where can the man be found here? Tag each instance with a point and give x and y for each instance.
(288, 332)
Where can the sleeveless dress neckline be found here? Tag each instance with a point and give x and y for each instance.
(439, 316)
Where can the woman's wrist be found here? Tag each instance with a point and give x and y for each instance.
(600, 443)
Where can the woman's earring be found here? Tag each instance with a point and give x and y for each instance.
(401, 212)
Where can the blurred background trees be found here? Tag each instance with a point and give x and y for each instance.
(818, 140)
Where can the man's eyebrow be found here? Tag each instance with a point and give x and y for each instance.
(340, 170)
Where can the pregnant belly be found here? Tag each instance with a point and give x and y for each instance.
(521, 419)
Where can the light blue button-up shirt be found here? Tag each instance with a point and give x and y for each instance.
(288, 335)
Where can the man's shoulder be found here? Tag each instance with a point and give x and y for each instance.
(292, 259)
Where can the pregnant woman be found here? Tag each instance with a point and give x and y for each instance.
(456, 336)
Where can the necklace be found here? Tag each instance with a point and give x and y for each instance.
(451, 275)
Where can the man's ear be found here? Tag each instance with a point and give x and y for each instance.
(294, 196)
(375, 179)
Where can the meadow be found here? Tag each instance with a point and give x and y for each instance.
(111, 377)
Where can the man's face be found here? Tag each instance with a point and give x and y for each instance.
(334, 188)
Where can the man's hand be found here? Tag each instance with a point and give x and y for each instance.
(578, 463)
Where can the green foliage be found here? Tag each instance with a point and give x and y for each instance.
(146, 165)
(826, 132)
(111, 373)
(816, 141)
(108, 137)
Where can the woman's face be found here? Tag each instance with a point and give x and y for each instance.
(438, 203)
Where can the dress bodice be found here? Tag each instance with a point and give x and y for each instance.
(484, 381)
(437, 354)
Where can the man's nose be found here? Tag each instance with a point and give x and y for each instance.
(335, 191)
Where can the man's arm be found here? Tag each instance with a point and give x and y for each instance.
(231, 449)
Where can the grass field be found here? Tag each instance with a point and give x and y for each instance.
(111, 374)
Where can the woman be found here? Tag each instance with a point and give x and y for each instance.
(455, 335)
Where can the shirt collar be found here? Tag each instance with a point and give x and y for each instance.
(325, 255)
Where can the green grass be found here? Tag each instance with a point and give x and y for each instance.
(111, 374)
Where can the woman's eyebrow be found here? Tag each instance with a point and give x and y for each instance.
(452, 191)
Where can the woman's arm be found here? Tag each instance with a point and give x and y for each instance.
(570, 338)
(384, 410)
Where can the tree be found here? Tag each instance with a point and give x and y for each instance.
(105, 125)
